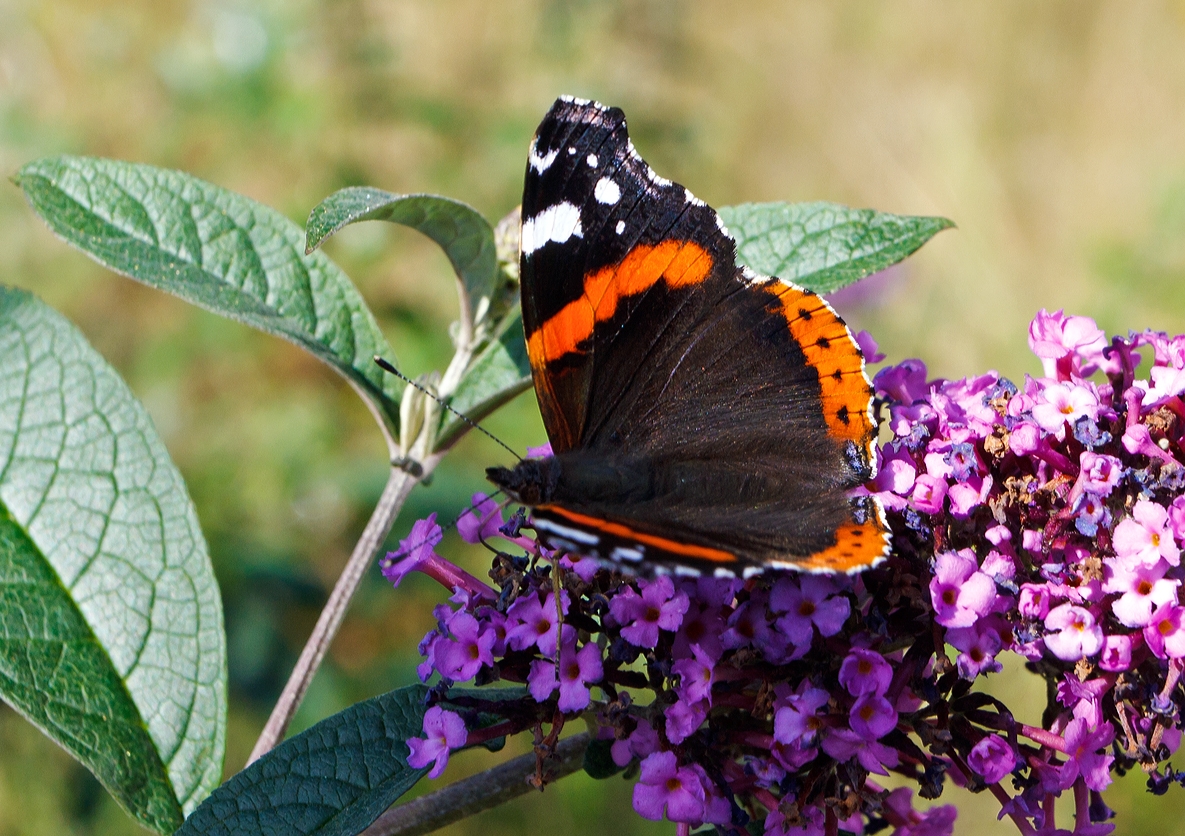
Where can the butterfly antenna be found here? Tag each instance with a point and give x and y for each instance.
(387, 367)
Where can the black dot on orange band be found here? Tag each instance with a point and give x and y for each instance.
(837, 375)
(803, 313)
(823, 342)
(842, 414)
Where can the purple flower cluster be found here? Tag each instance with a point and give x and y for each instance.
(1045, 521)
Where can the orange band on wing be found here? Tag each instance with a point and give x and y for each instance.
(829, 347)
(678, 263)
(625, 532)
(857, 546)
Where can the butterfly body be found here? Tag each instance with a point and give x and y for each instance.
(703, 418)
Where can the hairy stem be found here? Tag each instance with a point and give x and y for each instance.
(479, 792)
(399, 485)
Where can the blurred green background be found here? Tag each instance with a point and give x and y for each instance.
(1053, 134)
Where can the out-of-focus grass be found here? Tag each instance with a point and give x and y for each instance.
(1052, 134)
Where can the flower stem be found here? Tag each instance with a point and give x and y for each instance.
(399, 485)
(478, 792)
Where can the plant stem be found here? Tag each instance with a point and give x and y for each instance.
(399, 485)
(477, 793)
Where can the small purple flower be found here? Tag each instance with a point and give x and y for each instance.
(872, 716)
(1034, 600)
(844, 744)
(992, 758)
(443, 731)
(642, 616)
(904, 383)
(578, 669)
(1100, 473)
(695, 676)
(747, 627)
(896, 471)
(966, 496)
(1116, 654)
(684, 718)
(471, 646)
(1062, 403)
(960, 593)
(1069, 346)
(865, 672)
(1165, 633)
(641, 742)
(481, 521)
(929, 493)
(1083, 757)
(799, 720)
(1072, 633)
(808, 602)
(414, 550)
(534, 623)
(1142, 587)
(977, 646)
(666, 787)
(1146, 535)
(962, 460)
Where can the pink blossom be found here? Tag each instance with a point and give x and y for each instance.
(929, 493)
(443, 731)
(960, 593)
(1072, 633)
(1064, 403)
(1165, 633)
(1146, 536)
(1069, 346)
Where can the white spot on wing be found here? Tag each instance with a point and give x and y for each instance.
(686, 571)
(724, 573)
(541, 163)
(564, 531)
(571, 150)
(720, 225)
(606, 191)
(620, 227)
(591, 159)
(621, 553)
(692, 199)
(555, 223)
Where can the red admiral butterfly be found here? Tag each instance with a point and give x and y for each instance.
(703, 418)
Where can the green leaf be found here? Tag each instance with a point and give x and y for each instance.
(333, 779)
(497, 375)
(111, 636)
(824, 246)
(465, 236)
(216, 249)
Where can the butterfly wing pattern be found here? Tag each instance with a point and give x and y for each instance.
(703, 418)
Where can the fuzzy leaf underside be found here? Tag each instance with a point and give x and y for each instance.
(111, 636)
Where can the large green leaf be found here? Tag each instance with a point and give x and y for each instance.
(216, 249)
(465, 236)
(111, 635)
(824, 246)
(333, 779)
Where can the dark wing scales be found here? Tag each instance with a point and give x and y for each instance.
(690, 403)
